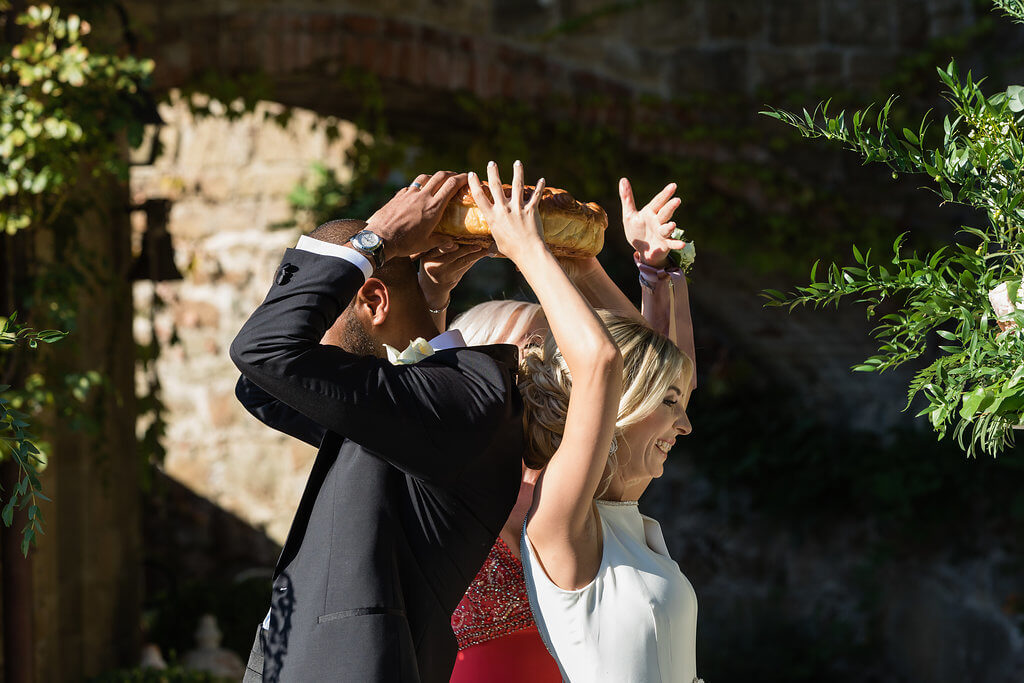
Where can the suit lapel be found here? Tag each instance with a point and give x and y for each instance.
(325, 457)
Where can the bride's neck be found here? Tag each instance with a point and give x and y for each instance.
(619, 490)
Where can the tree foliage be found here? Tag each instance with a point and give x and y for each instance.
(938, 305)
(67, 112)
(62, 110)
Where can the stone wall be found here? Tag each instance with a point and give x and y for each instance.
(586, 50)
(517, 49)
(229, 182)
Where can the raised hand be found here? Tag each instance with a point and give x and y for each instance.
(650, 229)
(442, 268)
(515, 227)
(406, 223)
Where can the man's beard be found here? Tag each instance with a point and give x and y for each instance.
(354, 338)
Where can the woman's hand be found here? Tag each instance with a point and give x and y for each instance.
(649, 230)
(515, 227)
(442, 268)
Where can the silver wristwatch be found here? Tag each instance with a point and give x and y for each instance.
(371, 244)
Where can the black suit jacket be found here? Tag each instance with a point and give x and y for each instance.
(418, 469)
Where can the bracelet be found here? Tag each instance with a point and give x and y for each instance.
(442, 309)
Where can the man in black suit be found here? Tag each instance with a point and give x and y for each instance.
(418, 465)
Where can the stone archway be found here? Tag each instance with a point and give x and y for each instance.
(622, 67)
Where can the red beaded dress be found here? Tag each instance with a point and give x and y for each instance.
(498, 640)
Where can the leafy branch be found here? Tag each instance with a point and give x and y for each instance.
(18, 443)
(1013, 9)
(942, 304)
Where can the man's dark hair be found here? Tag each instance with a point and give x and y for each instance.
(399, 274)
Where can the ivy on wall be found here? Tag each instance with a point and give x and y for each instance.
(67, 112)
(61, 106)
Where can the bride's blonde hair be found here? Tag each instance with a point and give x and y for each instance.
(651, 364)
(496, 322)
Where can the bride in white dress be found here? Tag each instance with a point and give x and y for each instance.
(605, 399)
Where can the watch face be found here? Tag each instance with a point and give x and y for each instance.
(366, 240)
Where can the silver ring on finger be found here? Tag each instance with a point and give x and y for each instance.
(414, 185)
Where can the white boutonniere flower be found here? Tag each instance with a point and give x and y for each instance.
(414, 353)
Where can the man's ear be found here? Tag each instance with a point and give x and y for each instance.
(374, 301)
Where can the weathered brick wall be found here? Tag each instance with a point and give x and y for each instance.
(229, 181)
(534, 50)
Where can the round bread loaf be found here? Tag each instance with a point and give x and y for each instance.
(572, 229)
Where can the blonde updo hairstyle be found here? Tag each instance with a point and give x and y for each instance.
(651, 364)
(496, 322)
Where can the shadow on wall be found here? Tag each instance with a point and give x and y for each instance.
(201, 559)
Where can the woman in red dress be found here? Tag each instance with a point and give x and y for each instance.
(497, 636)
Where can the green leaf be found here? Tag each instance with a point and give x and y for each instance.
(945, 76)
(8, 512)
(973, 401)
(27, 539)
(1016, 377)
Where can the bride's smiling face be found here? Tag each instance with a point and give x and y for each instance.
(644, 446)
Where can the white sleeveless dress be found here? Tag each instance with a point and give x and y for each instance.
(636, 622)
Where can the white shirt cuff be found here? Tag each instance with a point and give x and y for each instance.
(307, 243)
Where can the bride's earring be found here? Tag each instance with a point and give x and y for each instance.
(613, 449)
